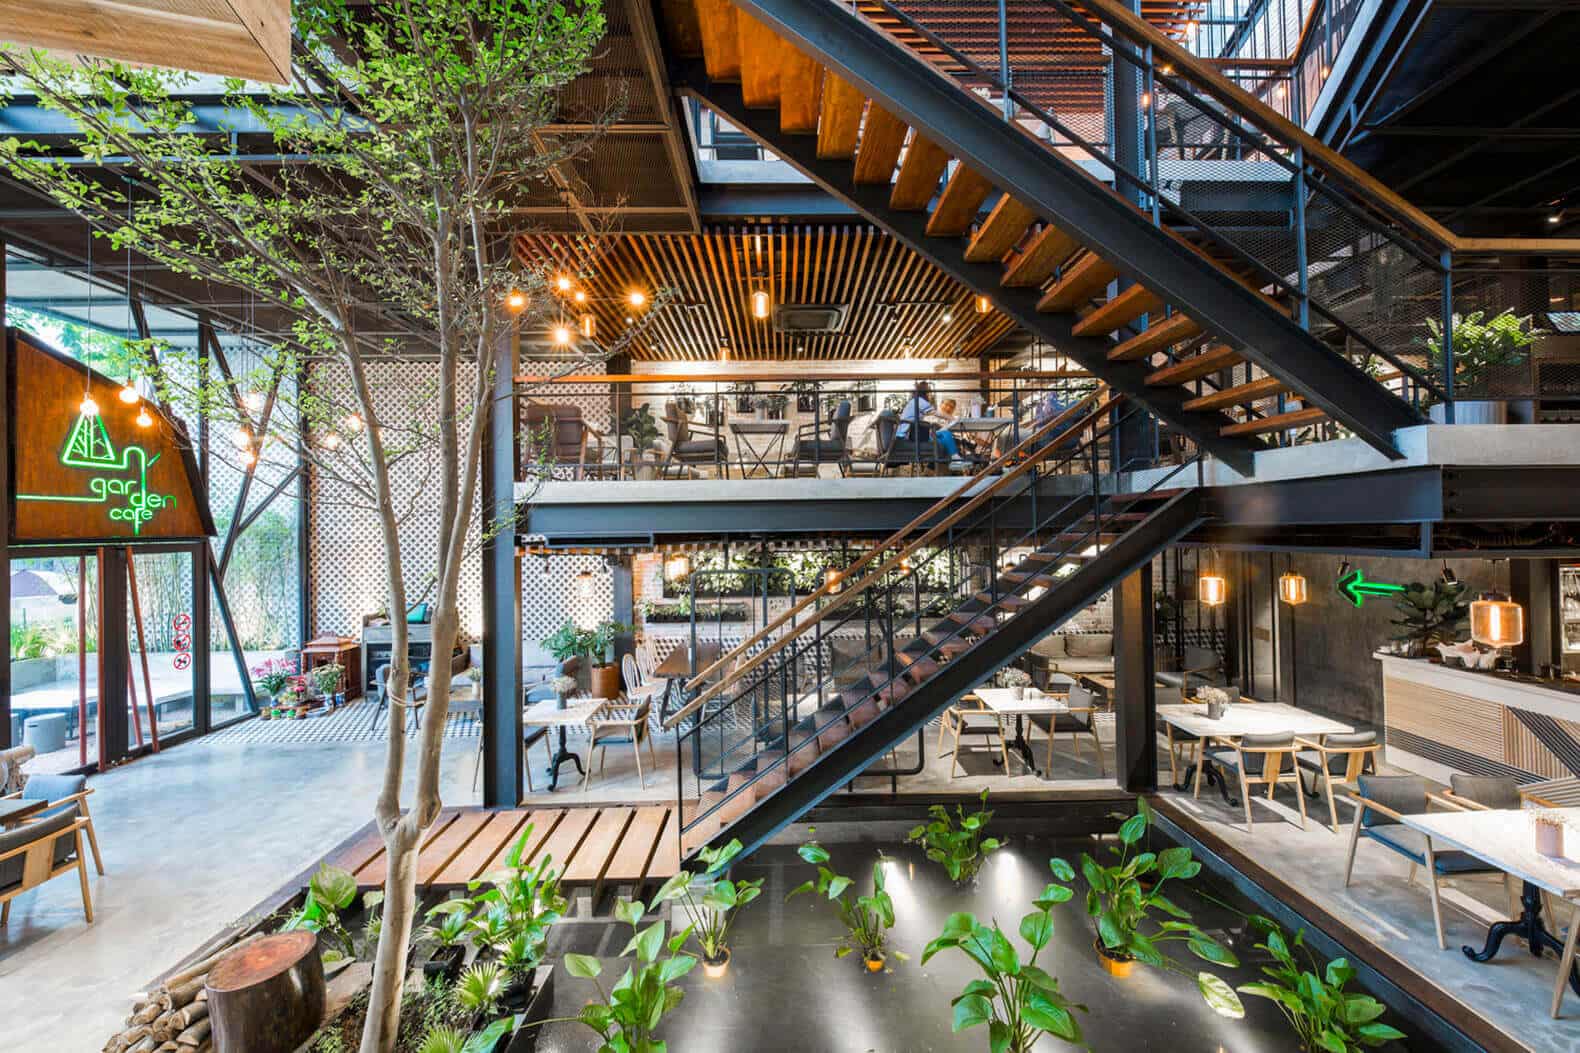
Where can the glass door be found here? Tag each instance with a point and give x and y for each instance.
(54, 660)
(162, 641)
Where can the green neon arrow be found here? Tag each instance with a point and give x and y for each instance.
(1355, 588)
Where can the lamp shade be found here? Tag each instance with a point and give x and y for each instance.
(760, 304)
(1212, 589)
(677, 567)
(584, 585)
(1292, 589)
(832, 579)
(1497, 621)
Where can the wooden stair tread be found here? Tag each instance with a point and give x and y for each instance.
(721, 45)
(760, 50)
(839, 121)
(1277, 422)
(1195, 367)
(1156, 337)
(919, 174)
(879, 149)
(799, 107)
(1000, 232)
(957, 205)
(1036, 262)
(1081, 281)
(1121, 310)
(1261, 388)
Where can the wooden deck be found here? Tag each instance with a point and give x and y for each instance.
(591, 846)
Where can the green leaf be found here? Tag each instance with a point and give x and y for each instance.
(1133, 829)
(813, 853)
(1041, 1010)
(1339, 972)
(960, 923)
(1005, 960)
(999, 1036)
(1053, 895)
(584, 966)
(1377, 1034)
(1172, 862)
(805, 886)
(1209, 949)
(971, 1011)
(1036, 929)
(1362, 1009)
(838, 885)
(1108, 930)
(1219, 996)
(333, 886)
(1061, 869)
(649, 941)
(628, 911)
(672, 888)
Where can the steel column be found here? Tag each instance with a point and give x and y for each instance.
(502, 589)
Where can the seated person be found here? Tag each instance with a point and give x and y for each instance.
(917, 413)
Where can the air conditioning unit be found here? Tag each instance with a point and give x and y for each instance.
(810, 318)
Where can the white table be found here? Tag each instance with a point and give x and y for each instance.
(1240, 719)
(1001, 700)
(561, 714)
(1503, 839)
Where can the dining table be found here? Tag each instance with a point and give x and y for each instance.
(677, 668)
(761, 440)
(1032, 702)
(559, 714)
(1503, 838)
(1239, 719)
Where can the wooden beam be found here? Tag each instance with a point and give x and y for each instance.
(919, 174)
(238, 38)
(786, 377)
(881, 139)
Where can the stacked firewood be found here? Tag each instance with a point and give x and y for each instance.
(173, 1017)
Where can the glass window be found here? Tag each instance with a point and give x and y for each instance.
(162, 637)
(52, 660)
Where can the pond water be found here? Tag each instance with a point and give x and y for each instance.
(785, 991)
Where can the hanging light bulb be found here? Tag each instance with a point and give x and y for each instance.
(330, 441)
(833, 580)
(254, 401)
(589, 326)
(636, 297)
(584, 585)
(948, 316)
(87, 407)
(762, 304)
(724, 350)
(1212, 589)
(129, 395)
(677, 567)
(515, 301)
(984, 305)
(1497, 621)
(563, 283)
(242, 438)
(562, 334)
(353, 423)
(1292, 589)
(143, 419)
(580, 296)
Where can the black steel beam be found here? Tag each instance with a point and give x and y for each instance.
(1135, 695)
(1131, 551)
(1396, 495)
(928, 99)
(501, 590)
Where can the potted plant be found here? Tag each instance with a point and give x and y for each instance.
(330, 891)
(628, 1015)
(957, 841)
(773, 404)
(567, 642)
(1019, 1001)
(643, 429)
(1117, 899)
(1429, 614)
(446, 929)
(742, 392)
(564, 687)
(517, 908)
(327, 681)
(1488, 354)
(271, 676)
(474, 675)
(712, 915)
(805, 392)
(1318, 1009)
(867, 919)
(1016, 680)
(683, 399)
(604, 675)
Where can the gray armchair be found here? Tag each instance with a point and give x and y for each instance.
(1201, 666)
(691, 443)
(814, 449)
(39, 851)
(68, 795)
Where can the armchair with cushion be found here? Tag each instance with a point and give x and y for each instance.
(1201, 666)
(1337, 758)
(971, 716)
(1258, 760)
(812, 449)
(558, 434)
(917, 449)
(37, 851)
(65, 794)
(617, 724)
(1381, 802)
(1076, 721)
(691, 443)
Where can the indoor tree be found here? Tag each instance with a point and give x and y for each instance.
(367, 210)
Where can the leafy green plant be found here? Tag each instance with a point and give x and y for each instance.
(568, 641)
(1123, 906)
(480, 987)
(867, 919)
(957, 841)
(713, 913)
(1430, 613)
(448, 923)
(600, 642)
(642, 427)
(1019, 1001)
(327, 677)
(448, 1038)
(34, 641)
(519, 906)
(628, 1015)
(330, 891)
(1315, 1004)
(1480, 345)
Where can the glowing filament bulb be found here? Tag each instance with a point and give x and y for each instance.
(129, 394)
(144, 420)
(331, 441)
(636, 297)
(562, 334)
(563, 283)
(580, 296)
(87, 407)
(247, 458)
(515, 301)
(760, 304)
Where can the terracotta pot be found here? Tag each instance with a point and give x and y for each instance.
(874, 965)
(604, 681)
(715, 968)
(1119, 968)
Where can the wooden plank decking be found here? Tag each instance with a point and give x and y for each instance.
(590, 846)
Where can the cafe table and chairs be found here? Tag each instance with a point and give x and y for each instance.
(759, 446)
(1031, 703)
(1238, 719)
(557, 715)
(1506, 840)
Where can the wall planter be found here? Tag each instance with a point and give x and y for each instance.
(532, 1012)
(445, 962)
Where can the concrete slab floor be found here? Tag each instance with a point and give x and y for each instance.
(1513, 991)
(192, 839)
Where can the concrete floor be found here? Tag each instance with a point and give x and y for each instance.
(1513, 991)
(192, 839)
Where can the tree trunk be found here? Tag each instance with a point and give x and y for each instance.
(267, 997)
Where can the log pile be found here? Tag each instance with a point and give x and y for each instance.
(173, 1017)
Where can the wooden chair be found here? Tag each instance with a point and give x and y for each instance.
(616, 725)
(971, 716)
(1381, 803)
(558, 434)
(1076, 721)
(638, 688)
(1259, 761)
(38, 851)
(64, 792)
(1336, 758)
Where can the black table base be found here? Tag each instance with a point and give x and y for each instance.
(1527, 927)
(562, 755)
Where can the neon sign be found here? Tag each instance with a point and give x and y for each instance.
(1355, 588)
(89, 448)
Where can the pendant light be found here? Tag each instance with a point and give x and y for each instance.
(143, 419)
(677, 567)
(832, 580)
(584, 585)
(1212, 589)
(1292, 589)
(128, 393)
(515, 301)
(589, 326)
(762, 304)
(87, 407)
(561, 334)
(1497, 621)
(984, 305)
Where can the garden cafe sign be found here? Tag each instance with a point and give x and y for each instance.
(87, 466)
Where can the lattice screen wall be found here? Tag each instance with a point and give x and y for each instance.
(550, 596)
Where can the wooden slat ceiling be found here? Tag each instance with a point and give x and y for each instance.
(895, 297)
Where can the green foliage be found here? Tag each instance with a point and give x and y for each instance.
(448, 923)
(479, 987)
(39, 641)
(326, 677)
(1019, 1000)
(628, 1015)
(1435, 612)
(1315, 1003)
(642, 427)
(867, 919)
(568, 641)
(517, 909)
(330, 891)
(1123, 906)
(713, 913)
(957, 841)
(1480, 345)
(601, 639)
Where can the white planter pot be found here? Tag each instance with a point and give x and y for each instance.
(1473, 411)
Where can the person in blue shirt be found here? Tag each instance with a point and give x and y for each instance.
(916, 412)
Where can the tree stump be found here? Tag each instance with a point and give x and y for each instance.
(267, 997)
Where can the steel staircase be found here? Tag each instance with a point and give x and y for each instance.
(1230, 336)
(849, 672)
